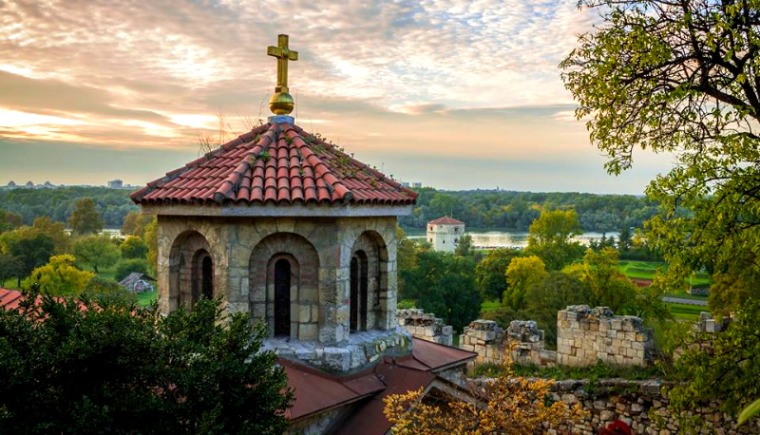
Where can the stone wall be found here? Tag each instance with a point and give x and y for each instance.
(527, 344)
(643, 407)
(425, 326)
(486, 338)
(585, 336)
(522, 338)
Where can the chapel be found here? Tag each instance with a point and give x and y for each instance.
(286, 226)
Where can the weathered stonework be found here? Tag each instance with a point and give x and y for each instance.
(361, 350)
(527, 344)
(425, 326)
(643, 406)
(243, 250)
(585, 336)
(485, 338)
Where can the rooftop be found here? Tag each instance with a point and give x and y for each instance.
(446, 220)
(275, 163)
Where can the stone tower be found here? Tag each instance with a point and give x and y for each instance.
(444, 233)
(286, 226)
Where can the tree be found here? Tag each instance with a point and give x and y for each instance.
(85, 219)
(522, 273)
(32, 252)
(86, 366)
(625, 241)
(55, 230)
(9, 220)
(550, 238)
(490, 277)
(464, 246)
(553, 293)
(133, 247)
(151, 239)
(444, 284)
(513, 405)
(135, 224)
(723, 365)
(681, 77)
(96, 251)
(10, 266)
(60, 277)
(406, 257)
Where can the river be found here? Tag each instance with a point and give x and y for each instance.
(507, 239)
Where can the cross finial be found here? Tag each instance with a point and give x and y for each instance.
(281, 102)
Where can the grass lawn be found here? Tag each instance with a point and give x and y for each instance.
(646, 270)
(146, 298)
(686, 311)
(489, 306)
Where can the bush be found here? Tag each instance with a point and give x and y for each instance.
(93, 367)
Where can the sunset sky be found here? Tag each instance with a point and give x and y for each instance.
(453, 94)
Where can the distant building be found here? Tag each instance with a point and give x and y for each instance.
(444, 233)
(115, 184)
(11, 185)
(48, 185)
(137, 282)
(416, 185)
(29, 185)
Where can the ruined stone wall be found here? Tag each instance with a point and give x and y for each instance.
(643, 407)
(425, 326)
(486, 338)
(526, 342)
(586, 335)
(522, 339)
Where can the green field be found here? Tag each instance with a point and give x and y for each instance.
(147, 298)
(686, 311)
(648, 269)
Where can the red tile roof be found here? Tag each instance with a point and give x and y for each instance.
(317, 392)
(275, 163)
(445, 221)
(9, 299)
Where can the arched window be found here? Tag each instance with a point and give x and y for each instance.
(282, 298)
(202, 280)
(359, 286)
(207, 278)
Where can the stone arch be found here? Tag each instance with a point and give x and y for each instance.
(191, 270)
(369, 278)
(267, 273)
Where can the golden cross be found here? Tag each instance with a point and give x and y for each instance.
(283, 55)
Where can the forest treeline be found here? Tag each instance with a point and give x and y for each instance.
(59, 203)
(516, 210)
(501, 209)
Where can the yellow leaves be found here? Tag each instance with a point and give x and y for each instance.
(508, 404)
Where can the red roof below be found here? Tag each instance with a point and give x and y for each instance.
(275, 163)
(317, 392)
(445, 221)
(9, 299)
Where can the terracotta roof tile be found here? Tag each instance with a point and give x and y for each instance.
(446, 220)
(277, 163)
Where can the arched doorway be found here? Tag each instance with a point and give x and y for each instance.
(282, 276)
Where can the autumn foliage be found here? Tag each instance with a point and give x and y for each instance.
(507, 404)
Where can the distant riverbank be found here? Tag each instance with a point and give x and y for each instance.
(494, 239)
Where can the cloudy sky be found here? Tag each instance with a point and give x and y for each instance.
(454, 94)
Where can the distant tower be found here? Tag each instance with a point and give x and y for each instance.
(444, 233)
(115, 184)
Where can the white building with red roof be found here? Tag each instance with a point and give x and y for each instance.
(444, 233)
